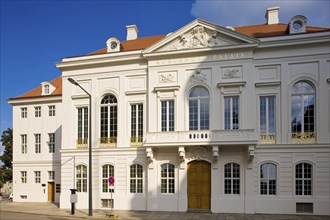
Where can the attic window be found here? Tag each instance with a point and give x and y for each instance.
(46, 89)
(113, 45)
(297, 24)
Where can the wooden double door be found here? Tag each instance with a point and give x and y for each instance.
(199, 185)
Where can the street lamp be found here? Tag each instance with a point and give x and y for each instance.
(90, 200)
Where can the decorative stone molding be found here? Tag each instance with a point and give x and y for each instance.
(231, 73)
(199, 37)
(182, 156)
(167, 78)
(150, 157)
(198, 153)
(250, 155)
(215, 150)
(198, 76)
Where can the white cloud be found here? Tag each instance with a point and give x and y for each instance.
(239, 13)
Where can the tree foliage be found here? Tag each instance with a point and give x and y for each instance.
(6, 170)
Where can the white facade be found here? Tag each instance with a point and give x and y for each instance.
(233, 73)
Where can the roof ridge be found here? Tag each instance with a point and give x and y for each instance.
(160, 35)
(253, 25)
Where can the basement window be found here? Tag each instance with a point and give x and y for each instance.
(304, 207)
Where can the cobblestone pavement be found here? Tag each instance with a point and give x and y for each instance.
(53, 210)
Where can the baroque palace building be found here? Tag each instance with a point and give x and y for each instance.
(226, 119)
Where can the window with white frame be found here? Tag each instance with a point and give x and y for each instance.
(37, 177)
(51, 110)
(81, 178)
(302, 107)
(37, 111)
(167, 115)
(37, 143)
(136, 123)
(136, 178)
(304, 179)
(108, 124)
(23, 176)
(268, 179)
(82, 125)
(107, 171)
(167, 178)
(24, 143)
(24, 112)
(267, 115)
(51, 143)
(199, 109)
(46, 89)
(232, 178)
(232, 112)
(51, 175)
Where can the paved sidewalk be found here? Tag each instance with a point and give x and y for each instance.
(53, 210)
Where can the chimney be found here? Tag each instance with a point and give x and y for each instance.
(272, 15)
(132, 32)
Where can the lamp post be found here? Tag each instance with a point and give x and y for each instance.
(90, 200)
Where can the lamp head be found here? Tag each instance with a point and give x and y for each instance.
(72, 81)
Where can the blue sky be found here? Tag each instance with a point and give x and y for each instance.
(36, 34)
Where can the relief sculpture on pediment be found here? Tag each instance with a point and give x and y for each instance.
(198, 37)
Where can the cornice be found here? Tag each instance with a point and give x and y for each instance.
(38, 99)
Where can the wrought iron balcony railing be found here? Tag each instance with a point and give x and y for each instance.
(136, 141)
(108, 142)
(82, 143)
(268, 138)
(303, 138)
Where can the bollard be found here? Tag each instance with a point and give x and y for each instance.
(73, 200)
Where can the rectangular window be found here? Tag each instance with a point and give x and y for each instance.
(46, 89)
(51, 175)
(23, 177)
(136, 178)
(81, 178)
(37, 111)
(136, 123)
(304, 179)
(267, 115)
(167, 179)
(51, 110)
(24, 143)
(37, 176)
(24, 112)
(167, 115)
(231, 113)
(58, 188)
(232, 178)
(37, 144)
(51, 143)
(82, 126)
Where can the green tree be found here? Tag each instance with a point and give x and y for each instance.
(6, 170)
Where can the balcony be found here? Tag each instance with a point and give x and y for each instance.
(207, 137)
(269, 138)
(108, 142)
(136, 141)
(82, 143)
(303, 138)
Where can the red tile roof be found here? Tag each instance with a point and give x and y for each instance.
(36, 93)
(256, 31)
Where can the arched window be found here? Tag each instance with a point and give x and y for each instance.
(304, 179)
(136, 178)
(302, 107)
(108, 129)
(107, 171)
(199, 109)
(232, 178)
(167, 178)
(268, 179)
(81, 178)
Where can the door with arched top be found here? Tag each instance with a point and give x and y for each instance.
(199, 185)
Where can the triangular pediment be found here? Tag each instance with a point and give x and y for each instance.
(200, 34)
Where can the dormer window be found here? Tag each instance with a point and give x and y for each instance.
(297, 24)
(113, 45)
(47, 88)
